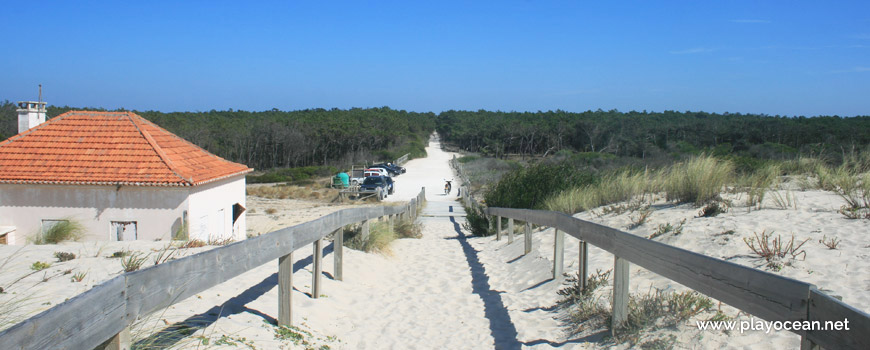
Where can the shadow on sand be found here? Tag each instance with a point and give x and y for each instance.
(501, 327)
(171, 335)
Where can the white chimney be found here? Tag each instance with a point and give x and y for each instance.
(30, 114)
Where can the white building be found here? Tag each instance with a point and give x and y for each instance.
(117, 174)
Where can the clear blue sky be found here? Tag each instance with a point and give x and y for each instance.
(774, 57)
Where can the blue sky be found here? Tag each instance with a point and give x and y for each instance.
(774, 57)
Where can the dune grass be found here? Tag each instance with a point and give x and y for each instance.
(66, 229)
(698, 180)
(381, 236)
(408, 229)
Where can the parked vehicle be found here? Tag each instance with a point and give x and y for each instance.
(381, 185)
(393, 169)
(376, 172)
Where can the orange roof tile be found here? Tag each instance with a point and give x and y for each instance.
(108, 148)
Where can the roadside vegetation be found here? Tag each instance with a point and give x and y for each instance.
(381, 236)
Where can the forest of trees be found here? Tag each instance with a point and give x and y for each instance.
(642, 134)
(312, 137)
(278, 139)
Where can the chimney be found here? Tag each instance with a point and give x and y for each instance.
(31, 113)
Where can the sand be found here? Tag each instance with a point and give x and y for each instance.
(451, 290)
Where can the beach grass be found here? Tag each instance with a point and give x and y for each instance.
(66, 229)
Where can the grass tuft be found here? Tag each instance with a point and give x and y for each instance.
(133, 262)
(698, 180)
(64, 230)
(659, 309)
(378, 241)
(408, 229)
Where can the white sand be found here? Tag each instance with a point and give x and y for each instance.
(448, 290)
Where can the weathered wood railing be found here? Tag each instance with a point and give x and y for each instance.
(762, 294)
(403, 159)
(106, 312)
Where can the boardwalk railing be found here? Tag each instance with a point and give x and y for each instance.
(759, 293)
(105, 313)
(403, 159)
(762, 294)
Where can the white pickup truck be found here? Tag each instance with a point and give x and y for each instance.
(358, 175)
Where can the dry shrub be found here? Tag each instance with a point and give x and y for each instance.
(774, 250)
(64, 256)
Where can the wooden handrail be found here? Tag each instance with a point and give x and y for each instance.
(107, 310)
(762, 294)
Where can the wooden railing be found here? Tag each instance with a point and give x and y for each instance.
(105, 313)
(762, 294)
(403, 159)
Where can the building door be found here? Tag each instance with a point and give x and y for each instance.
(124, 231)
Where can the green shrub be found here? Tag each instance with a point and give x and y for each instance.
(39, 266)
(293, 175)
(64, 230)
(530, 187)
(466, 159)
(476, 222)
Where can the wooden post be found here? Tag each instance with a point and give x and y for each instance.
(510, 232)
(807, 344)
(558, 254)
(285, 290)
(338, 253)
(392, 223)
(620, 292)
(583, 268)
(527, 234)
(317, 270)
(364, 231)
(498, 229)
(489, 222)
(120, 341)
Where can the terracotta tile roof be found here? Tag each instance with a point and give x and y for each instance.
(108, 148)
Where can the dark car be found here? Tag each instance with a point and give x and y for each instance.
(383, 184)
(393, 169)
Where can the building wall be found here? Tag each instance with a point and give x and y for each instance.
(157, 211)
(211, 210)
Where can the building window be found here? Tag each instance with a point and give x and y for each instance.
(123, 231)
(238, 209)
